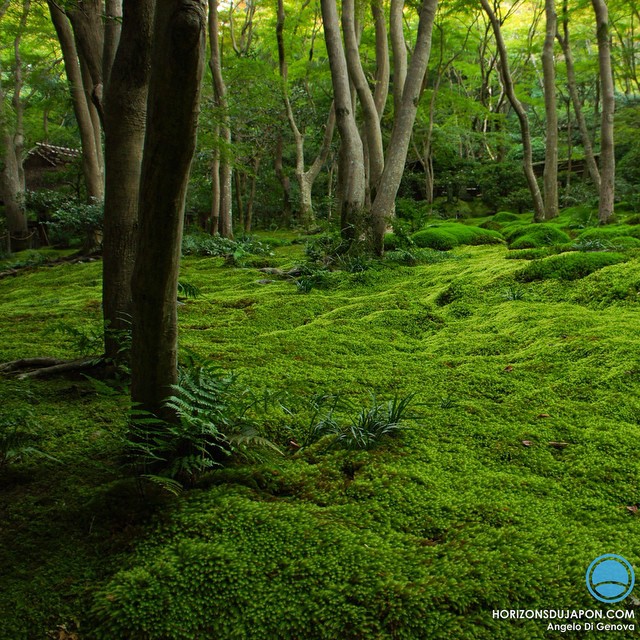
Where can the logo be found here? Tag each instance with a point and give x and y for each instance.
(610, 578)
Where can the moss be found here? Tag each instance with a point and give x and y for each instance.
(419, 539)
(505, 216)
(568, 266)
(446, 236)
(391, 241)
(532, 236)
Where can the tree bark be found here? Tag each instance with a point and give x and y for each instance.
(174, 92)
(112, 30)
(351, 157)
(383, 206)
(565, 44)
(90, 163)
(372, 130)
(225, 222)
(399, 50)
(381, 90)
(607, 90)
(507, 82)
(125, 117)
(12, 177)
(551, 146)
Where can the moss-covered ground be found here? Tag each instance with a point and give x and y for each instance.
(521, 466)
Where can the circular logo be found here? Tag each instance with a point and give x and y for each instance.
(610, 578)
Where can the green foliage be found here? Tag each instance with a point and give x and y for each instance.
(84, 341)
(414, 256)
(325, 248)
(18, 438)
(446, 236)
(75, 219)
(533, 236)
(568, 266)
(188, 290)
(203, 244)
(215, 419)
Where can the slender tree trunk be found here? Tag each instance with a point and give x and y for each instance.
(381, 90)
(174, 92)
(549, 81)
(90, 163)
(112, 30)
(305, 178)
(565, 44)
(507, 82)
(372, 130)
(215, 185)
(383, 205)
(399, 49)
(252, 195)
(225, 223)
(351, 159)
(86, 17)
(284, 181)
(607, 158)
(125, 117)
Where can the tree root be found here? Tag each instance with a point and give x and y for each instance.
(30, 368)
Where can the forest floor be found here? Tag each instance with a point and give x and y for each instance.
(520, 466)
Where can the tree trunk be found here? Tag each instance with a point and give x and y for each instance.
(86, 18)
(351, 158)
(373, 132)
(399, 49)
(112, 30)
(507, 82)
(252, 195)
(90, 164)
(284, 181)
(607, 90)
(13, 185)
(381, 90)
(215, 185)
(551, 146)
(225, 223)
(125, 116)
(174, 92)
(383, 205)
(565, 44)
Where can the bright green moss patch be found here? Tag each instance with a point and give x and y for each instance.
(504, 216)
(446, 236)
(568, 266)
(531, 236)
(420, 538)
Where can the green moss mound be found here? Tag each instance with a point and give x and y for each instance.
(447, 236)
(533, 236)
(568, 266)
(391, 241)
(504, 216)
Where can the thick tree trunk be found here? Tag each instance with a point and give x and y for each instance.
(507, 82)
(174, 92)
(565, 44)
(12, 178)
(90, 163)
(607, 90)
(551, 147)
(125, 116)
(383, 206)
(351, 159)
(225, 222)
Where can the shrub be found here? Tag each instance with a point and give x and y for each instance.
(532, 236)
(568, 266)
(203, 244)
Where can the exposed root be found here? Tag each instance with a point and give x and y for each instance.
(30, 368)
